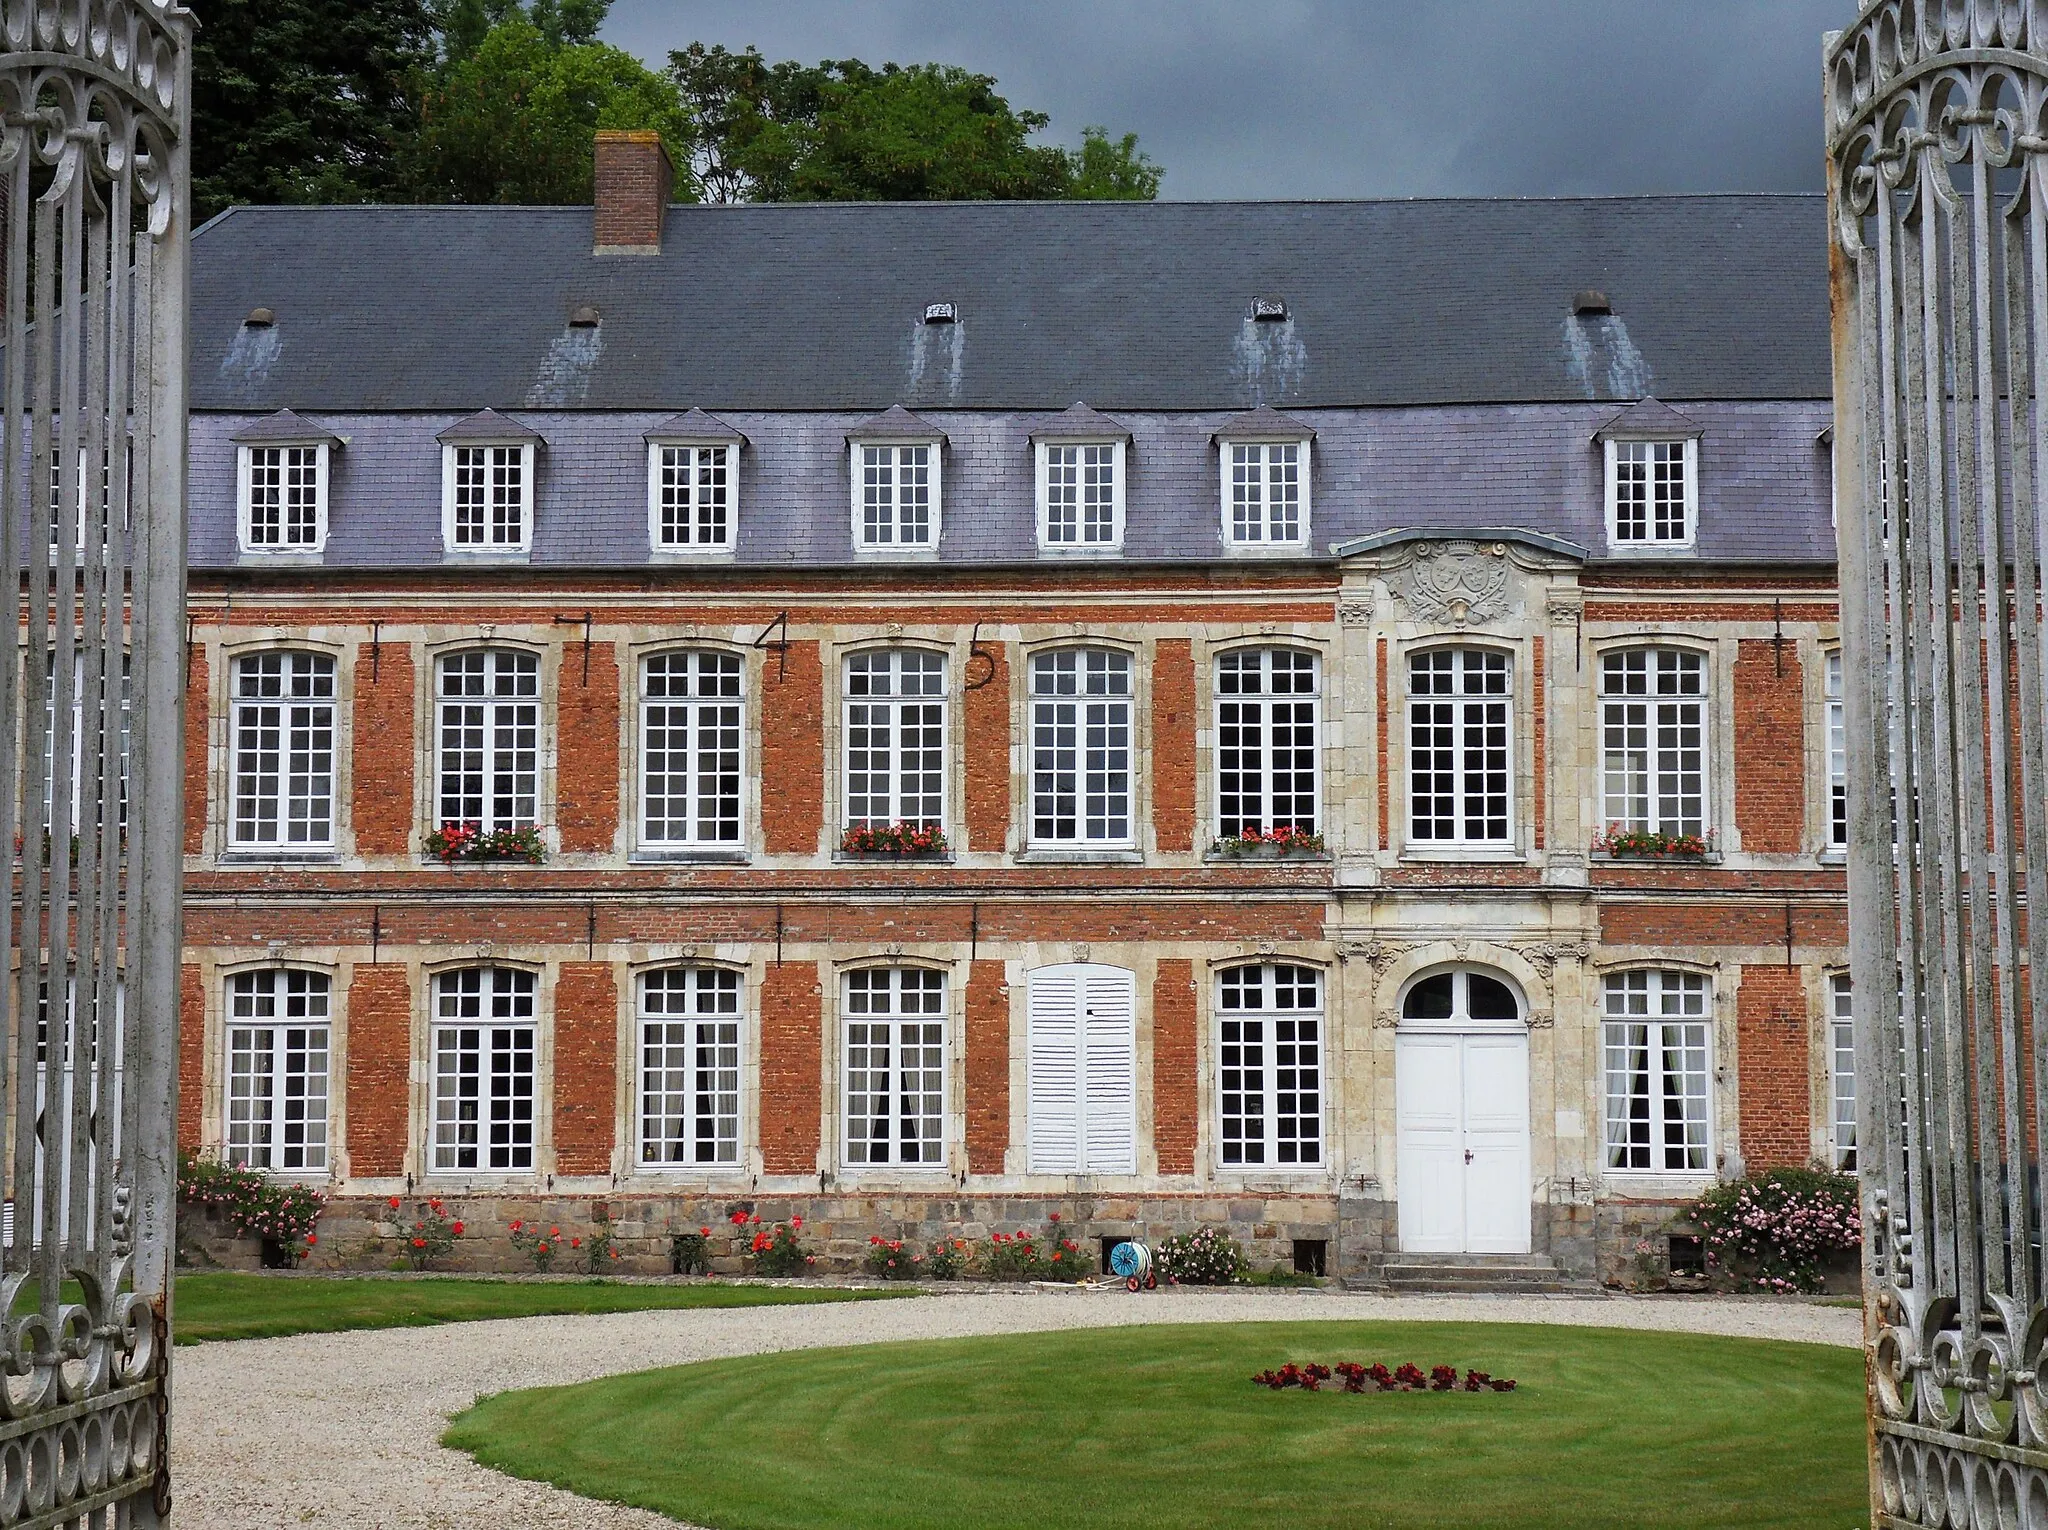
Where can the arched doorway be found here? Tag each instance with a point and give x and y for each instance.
(1461, 1089)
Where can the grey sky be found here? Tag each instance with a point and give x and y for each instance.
(1349, 98)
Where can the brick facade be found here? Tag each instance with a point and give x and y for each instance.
(586, 1067)
(1772, 1047)
(1173, 744)
(378, 1069)
(792, 750)
(381, 805)
(986, 709)
(792, 1018)
(1175, 1096)
(587, 775)
(1770, 778)
(988, 1067)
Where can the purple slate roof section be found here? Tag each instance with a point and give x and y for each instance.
(1764, 483)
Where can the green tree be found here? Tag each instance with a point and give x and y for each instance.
(1112, 170)
(464, 24)
(304, 100)
(511, 120)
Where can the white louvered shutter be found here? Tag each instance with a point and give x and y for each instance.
(1054, 1108)
(1109, 1071)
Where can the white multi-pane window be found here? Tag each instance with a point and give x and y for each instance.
(488, 497)
(690, 729)
(1269, 1066)
(690, 495)
(896, 495)
(483, 1069)
(1265, 493)
(894, 1065)
(489, 709)
(1838, 757)
(82, 508)
(88, 740)
(278, 1044)
(1653, 739)
(895, 740)
(1652, 488)
(1267, 721)
(1459, 787)
(1081, 494)
(281, 738)
(1657, 1042)
(689, 1067)
(1842, 1072)
(284, 497)
(1081, 747)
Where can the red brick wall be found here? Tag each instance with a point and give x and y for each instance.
(191, 1055)
(1539, 711)
(379, 1068)
(586, 1065)
(1686, 925)
(1771, 1043)
(792, 750)
(1173, 744)
(198, 714)
(587, 768)
(988, 1067)
(792, 1061)
(988, 750)
(632, 188)
(382, 755)
(1174, 1107)
(1770, 748)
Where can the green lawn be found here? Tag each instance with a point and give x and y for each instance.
(230, 1306)
(1160, 1427)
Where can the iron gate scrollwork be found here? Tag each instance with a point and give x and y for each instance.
(93, 239)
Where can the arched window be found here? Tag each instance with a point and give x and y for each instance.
(277, 1069)
(1081, 747)
(1461, 995)
(894, 1064)
(1459, 786)
(281, 743)
(483, 1069)
(689, 1067)
(1653, 739)
(1657, 1040)
(1268, 716)
(1269, 1066)
(489, 738)
(690, 737)
(895, 742)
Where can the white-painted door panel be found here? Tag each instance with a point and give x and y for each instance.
(1497, 1144)
(1462, 1103)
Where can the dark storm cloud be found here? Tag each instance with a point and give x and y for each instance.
(1319, 98)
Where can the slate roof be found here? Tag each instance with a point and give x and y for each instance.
(1130, 305)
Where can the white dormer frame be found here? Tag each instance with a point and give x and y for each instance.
(1227, 448)
(656, 447)
(857, 450)
(1119, 453)
(487, 548)
(1611, 448)
(245, 497)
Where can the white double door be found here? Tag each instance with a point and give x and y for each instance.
(1462, 1101)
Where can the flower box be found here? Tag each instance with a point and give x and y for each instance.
(1624, 844)
(455, 842)
(895, 841)
(1283, 844)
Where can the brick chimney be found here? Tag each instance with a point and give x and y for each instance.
(633, 178)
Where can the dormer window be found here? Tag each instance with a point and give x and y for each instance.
(692, 484)
(1265, 471)
(1081, 481)
(1652, 457)
(282, 464)
(896, 483)
(487, 464)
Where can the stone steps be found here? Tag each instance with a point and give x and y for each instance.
(1479, 1275)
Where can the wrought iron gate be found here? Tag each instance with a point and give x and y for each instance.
(93, 238)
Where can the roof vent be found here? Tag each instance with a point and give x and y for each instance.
(585, 317)
(1269, 310)
(941, 313)
(1591, 303)
(260, 318)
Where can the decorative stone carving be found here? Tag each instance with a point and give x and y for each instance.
(894, 629)
(1545, 955)
(1265, 947)
(1564, 608)
(893, 949)
(1456, 582)
(1541, 1020)
(1082, 952)
(690, 949)
(485, 949)
(1356, 612)
(1385, 1020)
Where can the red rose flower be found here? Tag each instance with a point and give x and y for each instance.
(458, 1229)
(517, 1224)
(575, 1243)
(394, 1203)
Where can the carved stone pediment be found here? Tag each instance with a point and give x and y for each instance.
(1458, 583)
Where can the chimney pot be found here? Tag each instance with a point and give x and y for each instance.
(632, 182)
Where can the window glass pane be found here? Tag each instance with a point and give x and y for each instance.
(1650, 492)
(693, 490)
(1081, 747)
(689, 1067)
(1655, 1044)
(489, 496)
(489, 738)
(483, 1049)
(281, 736)
(1842, 1056)
(895, 738)
(894, 1066)
(1269, 1066)
(1653, 739)
(1458, 722)
(1267, 727)
(896, 495)
(1838, 759)
(690, 732)
(277, 1029)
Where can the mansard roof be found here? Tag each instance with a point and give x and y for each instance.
(1648, 419)
(1130, 305)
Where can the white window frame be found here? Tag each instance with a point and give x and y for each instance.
(1663, 726)
(1081, 1070)
(1063, 724)
(1081, 541)
(1690, 487)
(895, 703)
(671, 1093)
(1842, 1145)
(492, 771)
(1833, 721)
(245, 480)
(934, 463)
(1227, 450)
(272, 1078)
(1255, 1073)
(305, 773)
(450, 458)
(700, 457)
(1467, 662)
(1673, 1002)
(78, 754)
(861, 1110)
(726, 713)
(515, 989)
(1226, 823)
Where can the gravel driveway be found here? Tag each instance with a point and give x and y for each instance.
(340, 1429)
